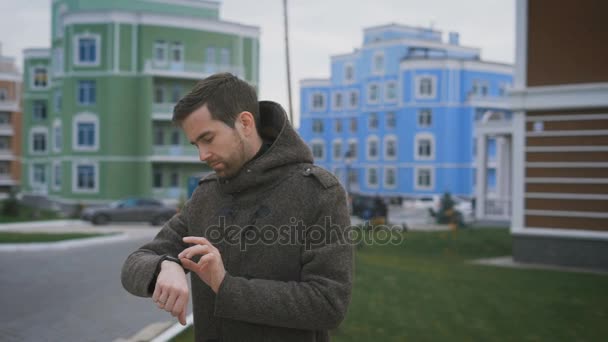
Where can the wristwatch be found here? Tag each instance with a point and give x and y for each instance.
(170, 258)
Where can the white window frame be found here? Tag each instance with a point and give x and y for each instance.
(78, 100)
(349, 80)
(377, 123)
(76, 54)
(319, 142)
(385, 177)
(386, 92)
(85, 117)
(424, 136)
(35, 116)
(225, 52)
(33, 77)
(39, 130)
(338, 124)
(75, 166)
(155, 171)
(58, 61)
(3, 94)
(376, 71)
(417, 171)
(176, 46)
(56, 176)
(312, 102)
(369, 92)
(162, 89)
(418, 79)
(394, 139)
(387, 117)
(33, 181)
(57, 147)
(355, 142)
(367, 176)
(419, 116)
(334, 104)
(57, 100)
(370, 139)
(334, 143)
(165, 47)
(322, 126)
(350, 93)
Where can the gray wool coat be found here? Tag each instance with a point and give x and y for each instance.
(279, 225)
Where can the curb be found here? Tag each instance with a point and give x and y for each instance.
(38, 224)
(62, 245)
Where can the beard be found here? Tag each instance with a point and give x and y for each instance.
(234, 163)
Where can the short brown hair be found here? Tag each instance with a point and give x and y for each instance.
(225, 95)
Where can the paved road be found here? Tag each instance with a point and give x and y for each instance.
(72, 295)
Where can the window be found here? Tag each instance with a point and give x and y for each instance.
(337, 103)
(352, 152)
(425, 118)
(5, 143)
(57, 175)
(425, 87)
(353, 176)
(391, 120)
(372, 147)
(318, 101)
(176, 94)
(40, 78)
(317, 126)
(5, 118)
(159, 94)
(373, 93)
(353, 99)
(391, 91)
(85, 179)
(57, 136)
(390, 177)
(39, 174)
(157, 177)
(160, 52)
(318, 149)
(210, 55)
(225, 57)
(159, 136)
(57, 100)
(3, 94)
(373, 121)
(378, 63)
(86, 132)
(337, 149)
(479, 88)
(390, 147)
(338, 126)
(175, 137)
(349, 73)
(86, 92)
(174, 179)
(353, 125)
(372, 177)
(425, 149)
(87, 52)
(58, 60)
(39, 110)
(177, 53)
(424, 178)
(38, 140)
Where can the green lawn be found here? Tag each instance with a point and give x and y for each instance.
(27, 214)
(13, 237)
(423, 290)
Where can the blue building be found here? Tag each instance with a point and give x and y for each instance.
(396, 117)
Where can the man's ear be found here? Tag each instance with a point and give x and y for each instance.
(247, 122)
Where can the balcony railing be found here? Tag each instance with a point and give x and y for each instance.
(6, 154)
(6, 130)
(488, 101)
(189, 69)
(175, 154)
(9, 106)
(7, 180)
(499, 208)
(162, 111)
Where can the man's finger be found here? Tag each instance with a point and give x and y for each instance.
(156, 294)
(197, 240)
(194, 250)
(170, 303)
(182, 317)
(189, 264)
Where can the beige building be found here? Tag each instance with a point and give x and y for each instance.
(560, 141)
(10, 124)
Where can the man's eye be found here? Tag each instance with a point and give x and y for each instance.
(208, 140)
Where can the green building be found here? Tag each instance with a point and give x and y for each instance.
(97, 105)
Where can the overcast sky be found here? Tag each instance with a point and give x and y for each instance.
(318, 29)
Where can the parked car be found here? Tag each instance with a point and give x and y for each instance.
(130, 210)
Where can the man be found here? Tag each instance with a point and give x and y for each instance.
(263, 236)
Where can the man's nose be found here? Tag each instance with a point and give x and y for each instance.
(203, 154)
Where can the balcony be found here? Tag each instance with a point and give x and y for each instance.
(162, 111)
(6, 155)
(174, 154)
(6, 130)
(189, 70)
(494, 102)
(6, 180)
(9, 106)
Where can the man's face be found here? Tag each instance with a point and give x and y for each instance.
(219, 145)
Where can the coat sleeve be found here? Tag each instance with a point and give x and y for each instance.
(138, 274)
(319, 301)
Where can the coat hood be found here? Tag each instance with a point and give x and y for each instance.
(287, 149)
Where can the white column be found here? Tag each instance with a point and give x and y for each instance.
(519, 181)
(481, 180)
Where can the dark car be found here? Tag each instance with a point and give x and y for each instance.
(130, 210)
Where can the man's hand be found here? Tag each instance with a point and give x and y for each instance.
(171, 291)
(210, 267)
